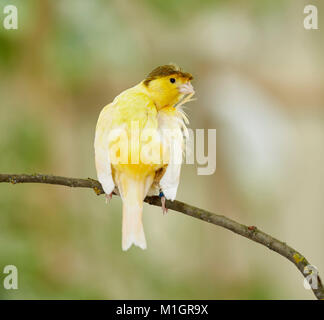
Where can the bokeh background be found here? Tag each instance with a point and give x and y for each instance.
(259, 81)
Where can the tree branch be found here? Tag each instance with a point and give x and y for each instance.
(249, 232)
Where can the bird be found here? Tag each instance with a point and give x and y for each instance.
(139, 143)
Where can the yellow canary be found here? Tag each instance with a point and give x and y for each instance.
(139, 142)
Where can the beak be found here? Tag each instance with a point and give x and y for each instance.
(186, 88)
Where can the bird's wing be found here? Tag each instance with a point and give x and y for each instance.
(128, 108)
(101, 144)
(170, 181)
(173, 140)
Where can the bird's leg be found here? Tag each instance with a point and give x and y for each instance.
(164, 209)
(108, 197)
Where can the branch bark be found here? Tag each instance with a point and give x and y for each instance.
(250, 232)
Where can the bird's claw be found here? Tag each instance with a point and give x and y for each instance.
(164, 208)
(108, 197)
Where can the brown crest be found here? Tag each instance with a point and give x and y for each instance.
(164, 71)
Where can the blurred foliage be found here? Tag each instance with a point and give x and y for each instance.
(9, 52)
(175, 11)
(25, 146)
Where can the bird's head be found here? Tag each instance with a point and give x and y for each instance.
(167, 85)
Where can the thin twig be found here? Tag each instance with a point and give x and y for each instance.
(249, 232)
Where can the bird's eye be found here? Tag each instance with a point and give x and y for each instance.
(172, 80)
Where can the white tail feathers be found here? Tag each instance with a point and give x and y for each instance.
(132, 231)
(133, 192)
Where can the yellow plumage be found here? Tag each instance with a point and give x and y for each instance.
(131, 151)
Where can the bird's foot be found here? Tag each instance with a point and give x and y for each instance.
(164, 208)
(108, 197)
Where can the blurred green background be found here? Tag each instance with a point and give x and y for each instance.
(259, 82)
